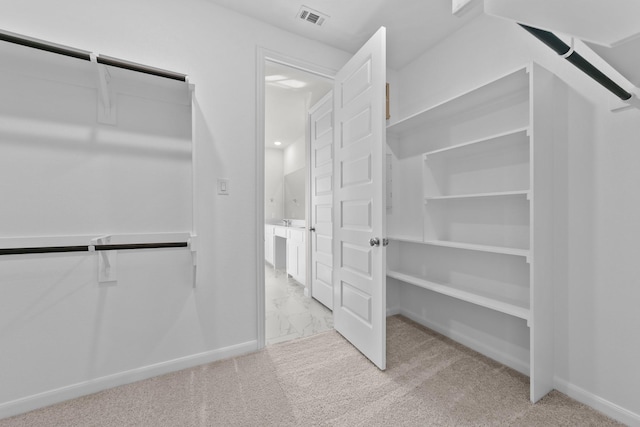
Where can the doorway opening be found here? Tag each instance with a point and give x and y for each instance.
(290, 311)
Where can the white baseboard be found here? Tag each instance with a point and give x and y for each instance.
(73, 391)
(392, 311)
(474, 344)
(596, 402)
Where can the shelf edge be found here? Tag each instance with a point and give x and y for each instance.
(481, 195)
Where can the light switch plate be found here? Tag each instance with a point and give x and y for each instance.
(223, 186)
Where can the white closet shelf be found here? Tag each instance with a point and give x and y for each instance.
(408, 239)
(487, 302)
(476, 143)
(501, 88)
(480, 248)
(480, 195)
(467, 246)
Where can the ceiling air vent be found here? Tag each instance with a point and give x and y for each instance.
(313, 16)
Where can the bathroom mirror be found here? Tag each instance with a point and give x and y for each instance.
(294, 194)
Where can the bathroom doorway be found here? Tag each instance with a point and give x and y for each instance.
(290, 310)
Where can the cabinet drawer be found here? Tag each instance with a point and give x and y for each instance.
(280, 232)
(296, 235)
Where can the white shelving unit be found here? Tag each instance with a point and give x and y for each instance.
(481, 232)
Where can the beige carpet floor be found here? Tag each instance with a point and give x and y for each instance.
(323, 380)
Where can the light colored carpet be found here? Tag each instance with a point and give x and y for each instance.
(323, 380)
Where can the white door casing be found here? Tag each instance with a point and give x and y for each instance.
(321, 143)
(359, 304)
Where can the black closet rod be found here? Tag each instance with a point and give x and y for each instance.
(110, 247)
(85, 55)
(561, 48)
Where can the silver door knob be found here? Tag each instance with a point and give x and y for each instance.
(374, 241)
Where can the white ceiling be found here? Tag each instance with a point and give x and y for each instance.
(413, 26)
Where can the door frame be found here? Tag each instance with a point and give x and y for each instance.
(263, 55)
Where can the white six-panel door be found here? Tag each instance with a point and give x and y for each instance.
(359, 262)
(321, 139)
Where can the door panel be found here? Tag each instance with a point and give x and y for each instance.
(359, 200)
(321, 125)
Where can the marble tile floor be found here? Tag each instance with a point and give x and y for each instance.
(289, 313)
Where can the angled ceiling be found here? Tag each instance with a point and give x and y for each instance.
(413, 26)
(611, 29)
(600, 22)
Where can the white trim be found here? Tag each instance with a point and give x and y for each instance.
(262, 55)
(392, 311)
(308, 290)
(596, 402)
(502, 357)
(73, 391)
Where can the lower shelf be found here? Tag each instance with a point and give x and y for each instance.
(468, 246)
(493, 304)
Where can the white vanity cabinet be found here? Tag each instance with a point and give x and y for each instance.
(296, 259)
(284, 247)
(268, 243)
(275, 238)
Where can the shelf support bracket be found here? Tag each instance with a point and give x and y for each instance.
(106, 106)
(107, 260)
(193, 240)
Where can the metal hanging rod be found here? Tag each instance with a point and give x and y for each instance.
(562, 49)
(86, 55)
(109, 247)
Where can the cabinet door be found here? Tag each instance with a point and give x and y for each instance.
(292, 258)
(302, 261)
(300, 270)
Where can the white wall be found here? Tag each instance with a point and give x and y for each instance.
(273, 185)
(217, 49)
(597, 206)
(295, 155)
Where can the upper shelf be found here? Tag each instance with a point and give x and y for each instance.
(480, 145)
(514, 83)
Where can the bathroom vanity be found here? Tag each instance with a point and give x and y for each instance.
(284, 248)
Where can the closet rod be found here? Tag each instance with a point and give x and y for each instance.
(85, 55)
(109, 247)
(561, 48)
